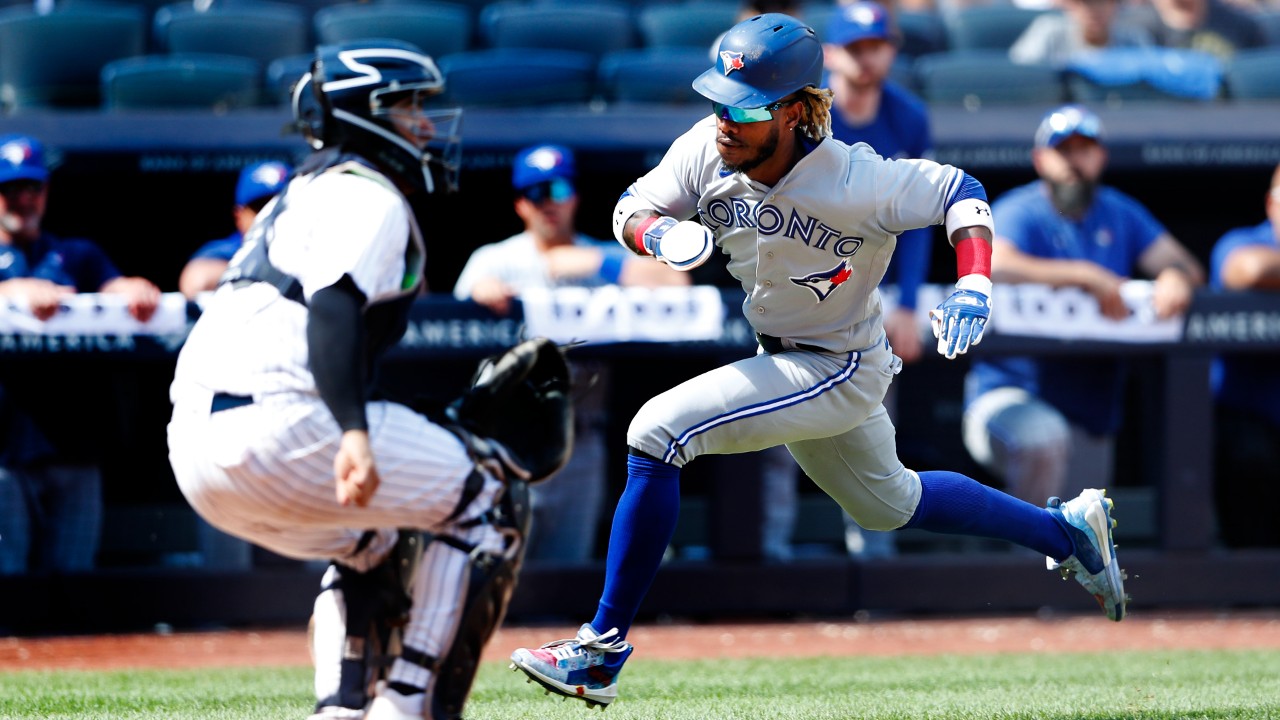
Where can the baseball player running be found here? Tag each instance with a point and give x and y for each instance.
(274, 437)
(809, 224)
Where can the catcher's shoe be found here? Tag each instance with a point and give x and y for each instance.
(389, 704)
(337, 713)
(585, 667)
(1088, 521)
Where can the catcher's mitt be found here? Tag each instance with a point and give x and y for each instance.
(519, 402)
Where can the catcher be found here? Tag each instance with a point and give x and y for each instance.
(274, 437)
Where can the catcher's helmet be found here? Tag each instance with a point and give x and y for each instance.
(347, 100)
(762, 60)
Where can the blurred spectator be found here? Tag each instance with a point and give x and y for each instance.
(50, 503)
(1034, 422)
(1082, 26)
(1213, 26)
(1247, 389)
(550, 253)
(257, 184)
(859, 49)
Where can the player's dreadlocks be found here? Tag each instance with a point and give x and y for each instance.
(816, 122)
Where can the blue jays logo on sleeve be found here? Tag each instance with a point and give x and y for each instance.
(731, 60)
(824, 283)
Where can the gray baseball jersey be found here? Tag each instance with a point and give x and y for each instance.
(809, 253)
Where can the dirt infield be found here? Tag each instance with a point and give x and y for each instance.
(837, 637)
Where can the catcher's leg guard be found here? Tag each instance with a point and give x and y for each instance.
(493, 580)
(354, 615)
(484, 589)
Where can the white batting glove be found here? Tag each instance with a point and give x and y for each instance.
(684, 245)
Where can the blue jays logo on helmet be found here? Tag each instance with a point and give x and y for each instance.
(762, 60)
(824, 283)
(731, 61)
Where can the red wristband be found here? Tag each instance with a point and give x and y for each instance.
(973, 256)
(640, 230)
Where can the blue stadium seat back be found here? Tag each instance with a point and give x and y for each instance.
(518, 77)
(653, 75)
(1254, 74)
(582, 27)
(215, 82)
(281, 75)
(438, 28)
(255, 29)
(38, 70)
(689, 24)
(1270, 21)
(1083, 90)
(977, 79)
(923, 33)
(817, 15)
(987, 27)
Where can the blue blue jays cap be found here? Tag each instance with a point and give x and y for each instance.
(22, 158)
(1066, 121)
(542, 163)
(261, 180)
(860, 21)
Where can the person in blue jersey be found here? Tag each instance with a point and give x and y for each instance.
(257, 184)
(1042, 425)
(50, 497)
(859, 49)
(1247, 392)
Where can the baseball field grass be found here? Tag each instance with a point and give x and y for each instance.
(1161, 685)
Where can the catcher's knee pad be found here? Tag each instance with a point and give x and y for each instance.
(373, 604)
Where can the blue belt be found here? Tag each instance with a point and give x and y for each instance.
(773, 345)
(226, 401)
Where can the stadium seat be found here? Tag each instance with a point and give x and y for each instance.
(1254, 74)
(516, 77)
(986, 27)
(977, 79)
(218, 82)
(653, 75)
(582, 27)
(55, 60)
(280, 76)
(1270, 20)
(437, 28)
(259, 30)
(923, 33)
(687, 24)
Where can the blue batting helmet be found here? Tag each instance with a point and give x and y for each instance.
(762, 60)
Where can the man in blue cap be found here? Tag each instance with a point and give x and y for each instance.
(549, 253)
(859, 48)
(1044, 425)
(50, 502)
(258, 183)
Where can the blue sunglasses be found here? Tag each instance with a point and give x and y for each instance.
(746, 115)
(557, 190)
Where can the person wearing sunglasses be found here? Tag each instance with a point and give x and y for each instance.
(550, 252)
(809, 225)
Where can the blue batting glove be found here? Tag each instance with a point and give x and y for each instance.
(958, 323)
